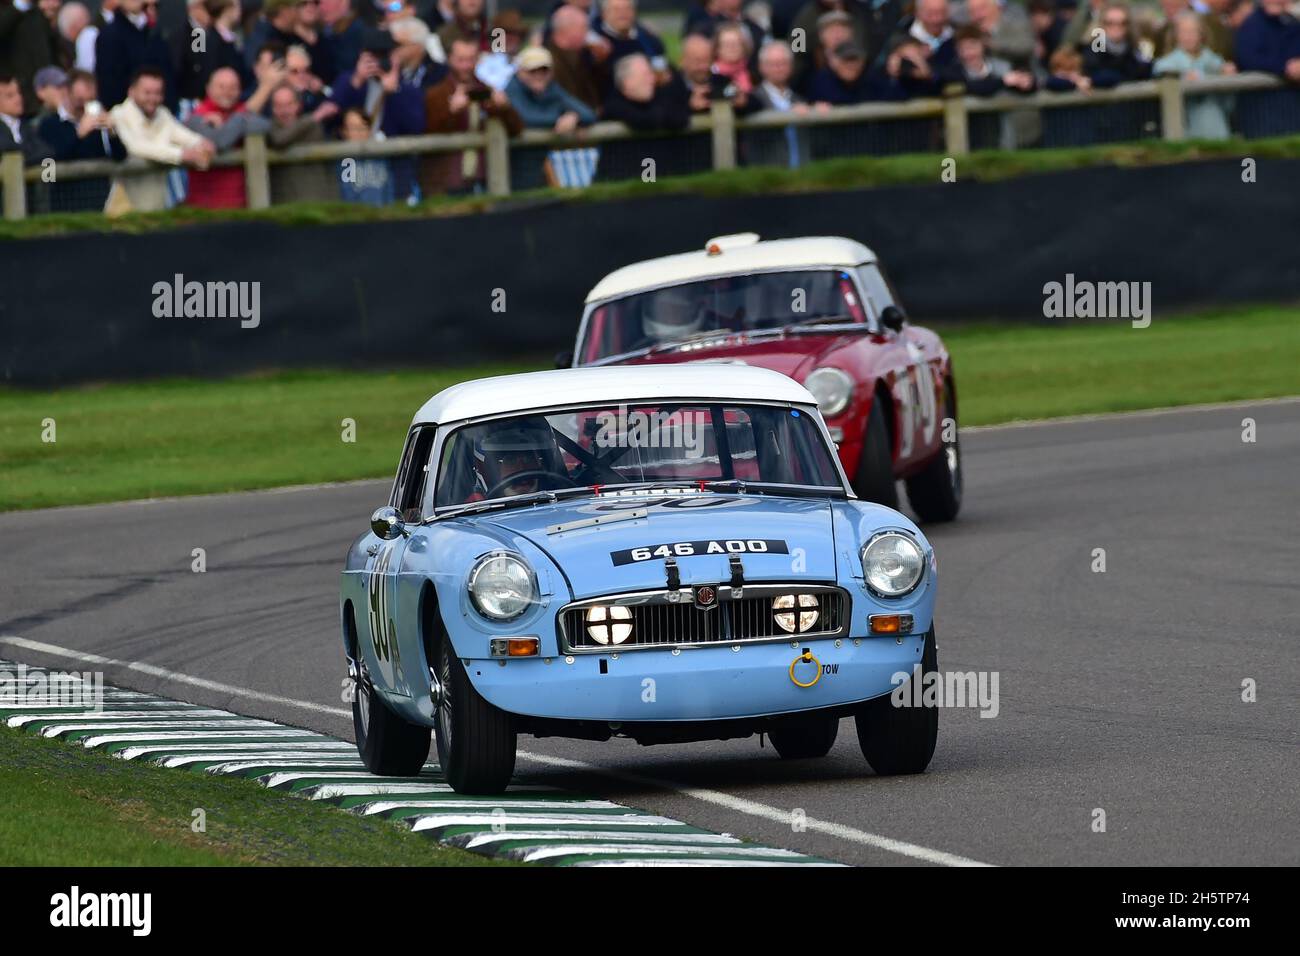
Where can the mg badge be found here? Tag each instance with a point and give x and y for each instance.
(706, 597)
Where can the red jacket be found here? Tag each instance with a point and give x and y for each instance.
(218, 188)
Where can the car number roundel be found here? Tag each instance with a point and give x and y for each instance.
(382, 630)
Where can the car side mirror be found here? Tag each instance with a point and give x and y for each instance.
(563, 359)
(893, 318)
(387, 523)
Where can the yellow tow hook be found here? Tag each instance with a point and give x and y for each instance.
(805, 658)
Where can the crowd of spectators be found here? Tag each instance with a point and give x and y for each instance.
(80, 79)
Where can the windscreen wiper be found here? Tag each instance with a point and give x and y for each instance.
(773, 488)
(811, 324)
(490, 504)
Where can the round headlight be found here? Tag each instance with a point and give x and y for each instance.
(609, 625)
(832, 388)
(791, 620)
(502, 586)
(892, 563)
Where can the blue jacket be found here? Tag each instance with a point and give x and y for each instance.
(1265, 43)
(403, 111)
(642, 41)
(542, 111)
(120, 49)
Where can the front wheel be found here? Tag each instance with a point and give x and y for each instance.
(801, 738)
(935, 491)
(874, 479)
(388, 745)
(897, 740)
(476, 741)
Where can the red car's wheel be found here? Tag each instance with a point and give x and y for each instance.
(874, 480)
(935, 492)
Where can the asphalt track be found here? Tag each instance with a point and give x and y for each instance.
(1119, 690)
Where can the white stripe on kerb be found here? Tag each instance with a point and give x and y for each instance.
(640, 849)
(631, 819)
(712, 862)
(106, 716)
(58, 730)
(507, 807)
(195, 735)
(233, 751)
(577, 836)
(271, 758)
(276, 779)
(332, 791)
(355, 768)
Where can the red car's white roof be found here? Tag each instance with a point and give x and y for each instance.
(733, 258)
(701, 381)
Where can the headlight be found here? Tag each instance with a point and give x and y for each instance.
(609, 625)
(832, 388)
(790, 620)
(502, 586)
(892, 563)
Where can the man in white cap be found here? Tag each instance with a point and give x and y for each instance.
(539, 100)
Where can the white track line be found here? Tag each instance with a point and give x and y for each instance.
(762, 810)
(738, 804)
(161, 672)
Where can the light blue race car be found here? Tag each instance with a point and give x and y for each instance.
(666, 553)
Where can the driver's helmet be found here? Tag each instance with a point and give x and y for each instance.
(670, 315)
(513, 449)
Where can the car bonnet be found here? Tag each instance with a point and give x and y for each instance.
(611, 545)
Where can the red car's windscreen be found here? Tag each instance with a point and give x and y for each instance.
(741, 303)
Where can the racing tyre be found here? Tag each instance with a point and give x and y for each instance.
(874, 480)
(935, 492)
(799, 740)
(898, 740)
(388, 745)
(476, 741)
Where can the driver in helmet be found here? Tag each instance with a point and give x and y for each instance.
(525, 450)
(670, 316)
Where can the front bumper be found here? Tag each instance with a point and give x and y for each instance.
(698, 683)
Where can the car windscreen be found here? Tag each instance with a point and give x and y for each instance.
(729, 304)
(633, 444)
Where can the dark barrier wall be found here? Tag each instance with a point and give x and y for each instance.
(421, 292)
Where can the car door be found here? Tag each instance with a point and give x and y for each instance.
(384, 562)
(908, 371)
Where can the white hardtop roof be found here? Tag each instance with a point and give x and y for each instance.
(702, 381)
(742, 253)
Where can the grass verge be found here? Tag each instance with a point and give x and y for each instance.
(67, 806)
(831, 174)
(180, 437)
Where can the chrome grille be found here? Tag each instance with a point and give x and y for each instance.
(658, 621)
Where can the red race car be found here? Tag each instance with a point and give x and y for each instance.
(818, 309)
